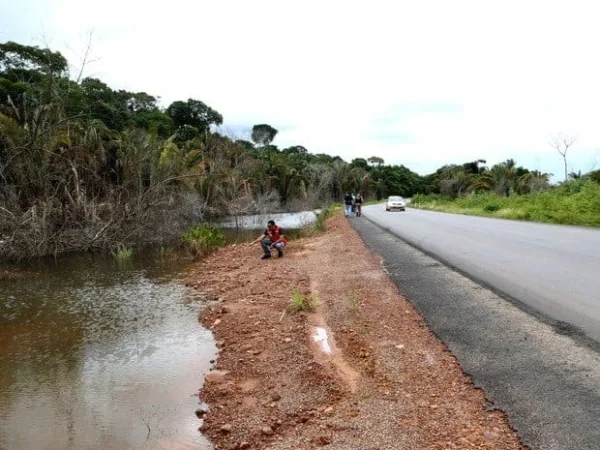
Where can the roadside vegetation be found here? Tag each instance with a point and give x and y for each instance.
(511, 192)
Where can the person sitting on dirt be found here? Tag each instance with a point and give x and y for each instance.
(348, 201)
(358, 201)
(272, 238)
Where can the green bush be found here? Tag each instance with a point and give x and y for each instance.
(573, 203)
(203, 239)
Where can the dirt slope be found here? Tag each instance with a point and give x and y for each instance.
(388, 383)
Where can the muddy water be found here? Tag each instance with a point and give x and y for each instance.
(94, 355)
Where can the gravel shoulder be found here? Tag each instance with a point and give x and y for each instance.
(388, 382)
(542, 377)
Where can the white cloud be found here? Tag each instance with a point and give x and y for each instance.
(420, 83)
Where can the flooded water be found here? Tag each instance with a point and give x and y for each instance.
(286, 220)
(94, 355)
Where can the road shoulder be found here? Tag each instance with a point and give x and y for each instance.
(547, 383)
(387, 383)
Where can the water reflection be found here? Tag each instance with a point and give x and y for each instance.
(96, 356)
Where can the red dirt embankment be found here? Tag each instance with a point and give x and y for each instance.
(388, 382)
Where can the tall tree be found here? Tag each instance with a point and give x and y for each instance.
(263, 134)
(194, 113)
(376, 160)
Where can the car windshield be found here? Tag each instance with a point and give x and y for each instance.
(395, 199)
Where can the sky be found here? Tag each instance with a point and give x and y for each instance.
(420, 83)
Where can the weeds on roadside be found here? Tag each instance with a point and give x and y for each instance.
(573, 203)
(320, 224)
(300, 303)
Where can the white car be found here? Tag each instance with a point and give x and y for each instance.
(395, 202)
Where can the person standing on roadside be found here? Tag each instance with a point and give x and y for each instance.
(348, 201)
(358, 201)
(272, 238)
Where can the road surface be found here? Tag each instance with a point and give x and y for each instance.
(546, 382)
(551, 270)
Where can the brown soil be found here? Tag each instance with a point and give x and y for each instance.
(388, 383)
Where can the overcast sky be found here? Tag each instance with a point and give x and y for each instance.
(420, 83)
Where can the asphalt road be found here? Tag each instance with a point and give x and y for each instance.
(551, 271)
(546, 382)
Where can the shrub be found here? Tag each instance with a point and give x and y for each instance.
(203, 239)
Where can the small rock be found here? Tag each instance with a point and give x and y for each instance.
(287, 340)
(275, 397)
(267, 431)
(400, 346)
(212, 361)
(256, 352)
(244, 445)
(434, 406)
(200, 413)
(217, 322)
(226, 428)
(329, 410)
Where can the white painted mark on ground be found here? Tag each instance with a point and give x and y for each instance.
(320, 336)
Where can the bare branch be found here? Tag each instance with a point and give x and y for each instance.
(85, 60)
(562, 143)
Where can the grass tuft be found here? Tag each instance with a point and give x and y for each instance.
(302, 303)
(122, 253)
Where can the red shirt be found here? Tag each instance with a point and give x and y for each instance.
(275, 234)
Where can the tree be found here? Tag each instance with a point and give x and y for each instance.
(16, 58)
(263, 134)
(194, 113)
(360, 162)
(562, 143)
(376, 160)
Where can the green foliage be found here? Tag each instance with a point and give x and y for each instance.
(263, 134)
(323, 216)
(204, 239)
(122, 253)
(16, 58)
(574, 203)
(194, 113)
(302, 303)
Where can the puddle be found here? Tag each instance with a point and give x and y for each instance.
(321, 338)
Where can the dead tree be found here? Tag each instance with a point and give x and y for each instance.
(562, 143)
